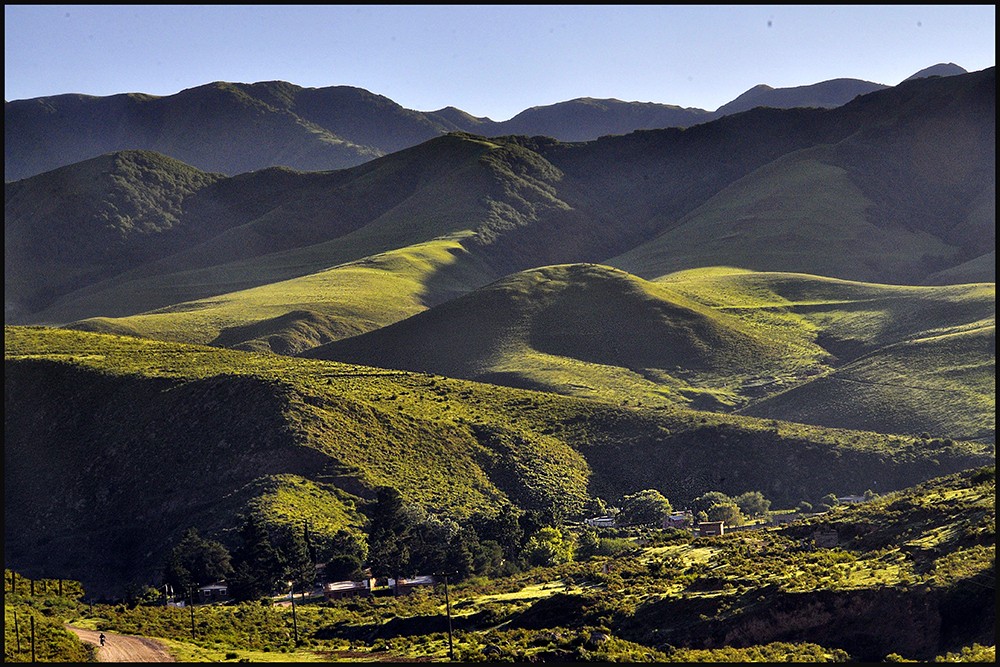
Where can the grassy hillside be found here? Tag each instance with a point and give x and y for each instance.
(800, 214)
(890, 358)
(494, 193)
(293, 315)
(142, 439)
(584, 330)
(942, 384)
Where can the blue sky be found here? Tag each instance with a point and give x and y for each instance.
(488, 60)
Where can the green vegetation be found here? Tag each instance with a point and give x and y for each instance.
(787, 346)
(296, 440)
(772, 594)
(41, 606)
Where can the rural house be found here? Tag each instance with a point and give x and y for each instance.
(403, 586)
(706, 528)
(679, 520)
(337, 590)
(214, 592)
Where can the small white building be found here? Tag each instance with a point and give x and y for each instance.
(403, 586)
(336, 590)
(601, 522)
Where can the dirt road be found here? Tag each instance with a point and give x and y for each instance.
(123, 648)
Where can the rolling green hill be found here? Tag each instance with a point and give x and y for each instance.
(584, 330)
(114, 445)
(826, 351)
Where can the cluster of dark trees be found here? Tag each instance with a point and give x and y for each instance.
(400, 540)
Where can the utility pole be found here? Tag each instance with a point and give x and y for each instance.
(17, 633)
(32, 638)
(295, 625)
(447, 604)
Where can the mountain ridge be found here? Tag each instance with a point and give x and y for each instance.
(277, 123)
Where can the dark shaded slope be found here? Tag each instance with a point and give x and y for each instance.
(827, 94)
(933, 168)
(586, 118)
(892, 187)
(102, 473)
(216, 127)
(89, 221)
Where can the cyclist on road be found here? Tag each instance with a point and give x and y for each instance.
(102, 639)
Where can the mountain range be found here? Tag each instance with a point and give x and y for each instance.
(792, 300)
(234, 128)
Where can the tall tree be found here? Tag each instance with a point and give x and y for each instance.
(259, 566)
(753, 504)
(388, 530)
(196, 561)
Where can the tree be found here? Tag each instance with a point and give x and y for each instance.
(429, 543)
(349, 554)
(587, 544)
(388, 530)
(548, 547)
(644, 507)
(753, 504)
(488, 558)
(196, 561)
(728, 512)
(259, 567)
(299, 567)
(504, 528)
(460, 556)
(706, 500)
(596, 507)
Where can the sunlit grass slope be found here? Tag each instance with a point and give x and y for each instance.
(800, 213)
(944, 385)
(585, 330)
(289, 316)
(717, 338)
(903, 359)
(115, 444)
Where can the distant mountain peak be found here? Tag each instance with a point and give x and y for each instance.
(941, 69)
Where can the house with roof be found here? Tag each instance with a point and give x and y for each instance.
(601, 522)
(707, 528)
(338, 590)
(403, 586)
(679, 520)
(214, 592)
